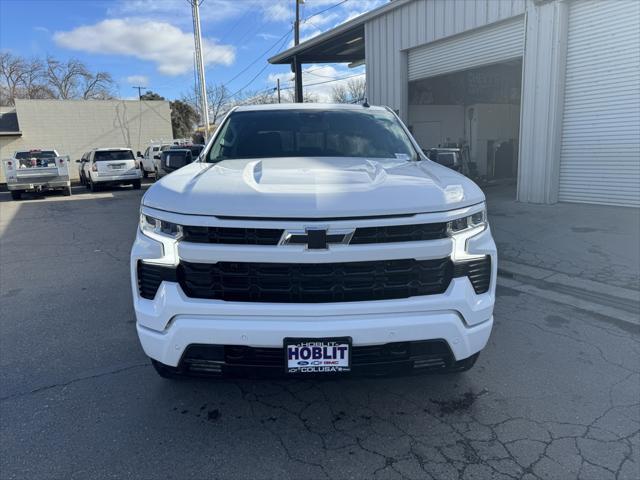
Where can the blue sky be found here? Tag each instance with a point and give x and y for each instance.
(150, 43)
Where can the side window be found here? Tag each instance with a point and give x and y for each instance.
(146, 152)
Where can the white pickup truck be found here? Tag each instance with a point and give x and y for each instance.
(36, 171)
(313, 239)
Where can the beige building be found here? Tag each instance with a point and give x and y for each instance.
(73, 127)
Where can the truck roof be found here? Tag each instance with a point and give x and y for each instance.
(109, 149)
(308, 106)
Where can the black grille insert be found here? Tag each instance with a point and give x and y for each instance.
(315, 283)
(150, 277)
(478, 271)
(232, 236)
(399, 233)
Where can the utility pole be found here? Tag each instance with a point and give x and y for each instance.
(197, 37)
(139, 91)
(278, 87)
(296, 25)
(296, 67)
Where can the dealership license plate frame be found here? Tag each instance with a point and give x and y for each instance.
(316, 369)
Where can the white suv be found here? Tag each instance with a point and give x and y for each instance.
(313, 239)
(110, 166)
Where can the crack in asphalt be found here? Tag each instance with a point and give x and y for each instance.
(72, 381)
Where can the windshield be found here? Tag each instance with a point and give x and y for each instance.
(106, 155)
(311, 133)
(36, 154)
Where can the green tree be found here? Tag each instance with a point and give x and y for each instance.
(149, 95)
(183, 119)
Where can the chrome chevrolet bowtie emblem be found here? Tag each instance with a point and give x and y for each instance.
(317, 238)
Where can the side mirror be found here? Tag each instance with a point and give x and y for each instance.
(78, 161)
(139, 154)
(157, 157)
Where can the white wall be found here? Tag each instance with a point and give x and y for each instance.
(434, 125)
(498, 122)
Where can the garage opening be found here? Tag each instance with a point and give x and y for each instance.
(477, 112)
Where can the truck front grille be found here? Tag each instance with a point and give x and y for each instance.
(315, 283)
(271, 236)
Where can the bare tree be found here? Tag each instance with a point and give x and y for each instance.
(339, 94)
(33, 83)
(218, 98)
(65, 78)
(351, 92)
(12, 71)
(97, 86)
(357, 89)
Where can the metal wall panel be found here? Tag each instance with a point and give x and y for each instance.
(492, 44)
(600, 153)
(428, 21)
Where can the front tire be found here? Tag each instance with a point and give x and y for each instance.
(66, 191)
(145, 174)
(94, 186)
(16, 194)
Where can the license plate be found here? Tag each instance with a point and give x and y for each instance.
(317, 355)
(117, 167)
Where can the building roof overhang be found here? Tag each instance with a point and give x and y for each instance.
(342, 44)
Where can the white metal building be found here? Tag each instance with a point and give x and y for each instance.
(545, 91)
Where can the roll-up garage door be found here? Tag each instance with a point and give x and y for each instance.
(600, 155)
(492, 44)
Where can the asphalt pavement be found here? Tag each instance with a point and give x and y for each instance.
(555, 394)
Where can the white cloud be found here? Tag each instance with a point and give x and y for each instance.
(141, 80)
(167, 46)
(177, 11)
(278, 11)
(267, 36)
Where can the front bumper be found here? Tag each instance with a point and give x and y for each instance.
(171, 322)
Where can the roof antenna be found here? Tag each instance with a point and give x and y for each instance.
(366, 103)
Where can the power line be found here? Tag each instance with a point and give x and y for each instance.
(258, 58)
(328, 81)
(283, 41)
(325, 10)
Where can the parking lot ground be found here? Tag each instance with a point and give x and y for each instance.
(555, 394)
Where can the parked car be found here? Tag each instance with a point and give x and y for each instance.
(111, 166)
(449, 157)
(81, 162)
(313, 239)
(172, 160)
(36, 171)
(151, 155)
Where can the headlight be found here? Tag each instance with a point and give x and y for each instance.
(478, 219)
(149, 224)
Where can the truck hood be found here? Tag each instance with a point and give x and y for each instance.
(304, 187)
